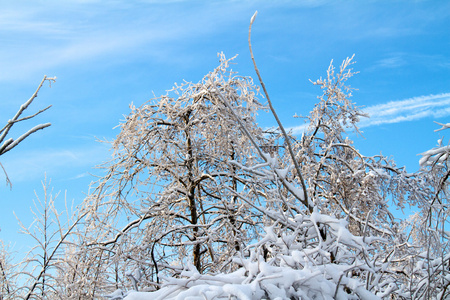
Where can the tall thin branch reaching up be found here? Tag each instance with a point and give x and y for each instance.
(291, 152)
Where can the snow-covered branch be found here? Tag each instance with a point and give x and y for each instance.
(7, 144)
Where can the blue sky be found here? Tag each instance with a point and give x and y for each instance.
(107, 54)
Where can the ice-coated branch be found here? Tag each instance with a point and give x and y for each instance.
(434, 156)
(280, 125)
(5, 130)
(32, 116)
(444, 126)
(266, 157)
(8, 144)
(8, 181)
(52, 254)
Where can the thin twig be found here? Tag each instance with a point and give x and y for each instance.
(8, 181)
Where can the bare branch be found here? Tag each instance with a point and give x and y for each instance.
(305, 200)
(444, 126)
(10, 144)
(22, 108)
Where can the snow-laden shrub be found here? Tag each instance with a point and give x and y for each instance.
(289, 263)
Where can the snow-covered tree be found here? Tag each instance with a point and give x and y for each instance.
(329, 233)
(428, 228)
(175, 189)
(199, 202)
(338, 240)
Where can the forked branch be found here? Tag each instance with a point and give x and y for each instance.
(8, 144)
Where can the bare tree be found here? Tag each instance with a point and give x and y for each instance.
(37, 275)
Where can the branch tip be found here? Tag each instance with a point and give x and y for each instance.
(253, 17)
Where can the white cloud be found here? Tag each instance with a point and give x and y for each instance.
(297, 130)
(412, 109)
(416, 108)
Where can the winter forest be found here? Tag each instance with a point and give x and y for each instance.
(199, 202)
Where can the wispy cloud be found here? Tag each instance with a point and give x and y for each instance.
(15, 21)
(412, 109)
(64, 163)
(81, 49)
(399, 60)
(435, 106)
(40, 43)
(394, 61)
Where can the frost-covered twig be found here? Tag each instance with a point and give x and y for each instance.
(8, 144)
(444, 126)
